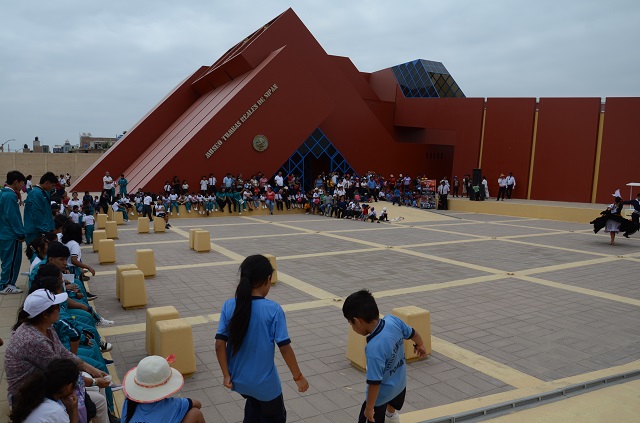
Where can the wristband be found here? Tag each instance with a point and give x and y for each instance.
(295, 379)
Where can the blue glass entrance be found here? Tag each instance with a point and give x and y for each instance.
(314, 156)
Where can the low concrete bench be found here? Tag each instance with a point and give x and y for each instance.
(133, 293)
(107, 251)
(145, 260)
(175, 336)
(156, 314)
(119, 269)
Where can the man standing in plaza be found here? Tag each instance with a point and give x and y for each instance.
(502, 184)
(11, 233)
(511, 184)
(443, 192)
(37, 208)
(279, 180)
(107, 185)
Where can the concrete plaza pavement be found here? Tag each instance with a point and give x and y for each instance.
(519, 306)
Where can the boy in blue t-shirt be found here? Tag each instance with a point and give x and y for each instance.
(386, 370)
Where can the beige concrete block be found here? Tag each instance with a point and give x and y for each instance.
(156, 314)
(107, 251)
(134, 292)
(110, 214)
(274, 264)
(119, 270)
(145, 260)
(201, 241)
(159, 225)
(112, 229)
(355, 350)
(97, 236)
(192, 231)
(176, 337)
(419, 319)
(118, 217)
(101, 221)
(143, 225)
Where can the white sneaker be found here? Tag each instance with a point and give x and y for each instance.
(178, 214)
(105, 346)
(104, 322)
(11, 289)
(394, 418)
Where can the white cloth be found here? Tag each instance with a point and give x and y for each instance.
(48, 412)
(102, 412)
(203, 185)
(511, 181)
(107, 182)
(35, 261)
(612, 226)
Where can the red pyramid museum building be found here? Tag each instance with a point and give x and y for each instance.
(277, 101)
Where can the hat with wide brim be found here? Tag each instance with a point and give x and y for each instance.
(152, 380)
(502, 175)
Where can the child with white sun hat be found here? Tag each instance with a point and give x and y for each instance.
(148, 389)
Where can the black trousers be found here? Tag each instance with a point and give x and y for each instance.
(444, 205)
(509, 191)
(378, 412)
(501, 192)
(256, 411)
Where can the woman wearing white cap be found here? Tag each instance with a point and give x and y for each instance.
(34, 343)
(148, 388)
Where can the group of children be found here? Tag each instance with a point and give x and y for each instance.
(250, 327)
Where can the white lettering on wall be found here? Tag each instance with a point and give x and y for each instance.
(236, 125)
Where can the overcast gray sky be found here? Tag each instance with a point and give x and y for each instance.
(68, 67)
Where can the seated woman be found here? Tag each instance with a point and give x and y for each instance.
(148, 389)
(48, 395)
(34, 342)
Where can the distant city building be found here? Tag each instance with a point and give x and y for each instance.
(89, 143)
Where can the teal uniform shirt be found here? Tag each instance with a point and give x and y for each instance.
(11, 227)
(37, 213)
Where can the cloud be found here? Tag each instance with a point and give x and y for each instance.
(68, 67)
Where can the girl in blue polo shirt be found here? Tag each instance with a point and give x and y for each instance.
(250, 326)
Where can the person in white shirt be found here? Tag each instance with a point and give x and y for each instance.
(146, 210)
(162, 213)
(203, 186)
(88, 221)
(502, 187)
(75, 215)
(107, 185)
(485, 184)
(49, 395)
(173, 203)
(511, 184)
(279, 181)
(212, 184)
(443, 192)
(117, 207)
